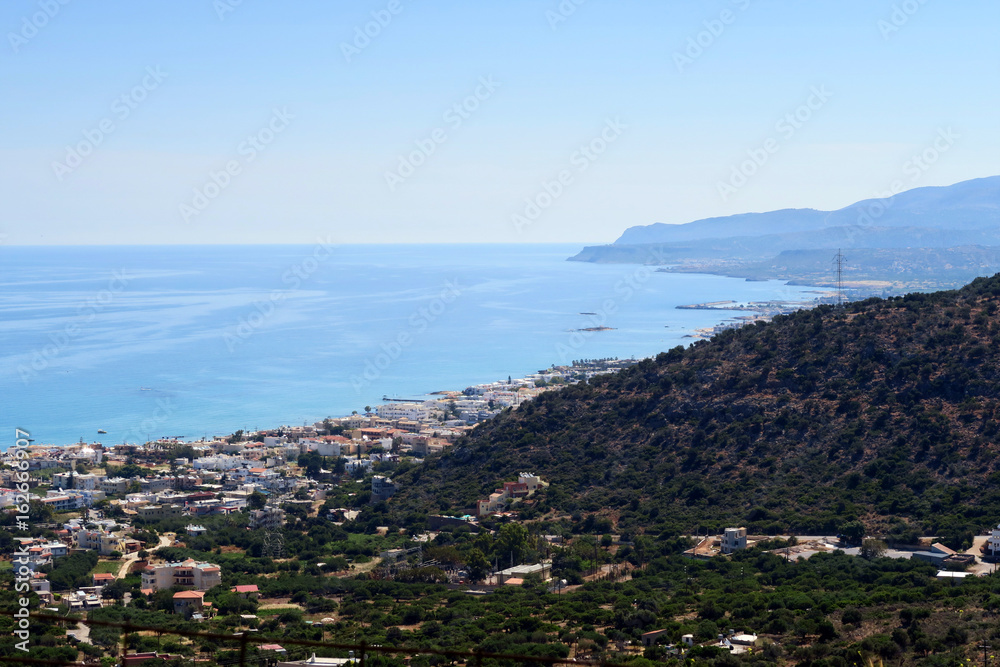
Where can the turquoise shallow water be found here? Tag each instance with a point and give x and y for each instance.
(191, 341)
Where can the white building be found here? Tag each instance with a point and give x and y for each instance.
(156, 484)
(269, 518)
(62, 502)
(355, 467)
(100, 541)
(57, 549)
(114, 486)
(72, 480)
(86, 454)
(734, 539)
(526, 485)
(383, 488)
(992, 546)
(394, 411)
(188, 574)
(501, 398)
(158, 512)
(220, 463)
(321, 447)
(533, 481)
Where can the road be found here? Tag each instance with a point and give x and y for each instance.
(82, 632)
(165, 541)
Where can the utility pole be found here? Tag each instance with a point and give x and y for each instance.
(839, 259)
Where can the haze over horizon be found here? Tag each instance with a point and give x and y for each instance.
(239, 122)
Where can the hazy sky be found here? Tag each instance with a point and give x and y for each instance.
(255, 121)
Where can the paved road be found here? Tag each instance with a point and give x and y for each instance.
(82, 632)
(131, 558)
(126, 564)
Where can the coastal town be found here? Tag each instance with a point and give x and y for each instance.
(130, 507)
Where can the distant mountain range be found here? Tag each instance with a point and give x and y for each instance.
(944, 236)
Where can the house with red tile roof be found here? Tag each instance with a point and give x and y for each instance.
(246, 591)
(103, 578)
(187, 603)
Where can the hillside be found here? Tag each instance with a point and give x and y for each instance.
(882, 411)
(918, 222)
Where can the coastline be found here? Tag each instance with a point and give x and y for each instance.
(192, 346)
(763, 313)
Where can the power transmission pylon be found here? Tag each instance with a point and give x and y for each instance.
(839, 259)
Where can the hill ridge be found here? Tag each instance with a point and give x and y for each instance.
(883, 408)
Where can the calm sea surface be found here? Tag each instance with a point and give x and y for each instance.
(195, 341)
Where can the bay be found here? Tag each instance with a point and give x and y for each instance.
(194, 341)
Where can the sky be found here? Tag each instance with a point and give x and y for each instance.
(522, 121)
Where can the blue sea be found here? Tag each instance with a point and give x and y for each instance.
(194, 341)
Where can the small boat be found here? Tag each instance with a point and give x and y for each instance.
(101, 430)
(145, 389)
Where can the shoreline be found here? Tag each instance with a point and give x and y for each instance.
(763, 312)
(637, 323)
(510, 393)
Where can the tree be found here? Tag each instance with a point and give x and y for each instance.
(477, 565)
(872, 548)
(128, 471)
(257, 500)
(512, 544)
(641, 550)
(853, 532)
(40, 512)
(115, 590)
(231, 603)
